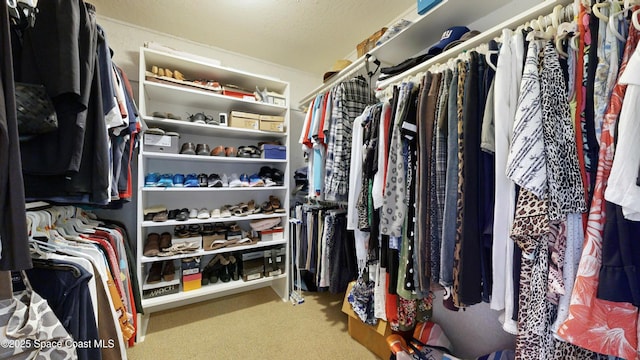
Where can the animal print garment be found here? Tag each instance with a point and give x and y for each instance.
(462, 75)
(566, 191)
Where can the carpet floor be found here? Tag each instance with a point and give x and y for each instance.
(252, 325)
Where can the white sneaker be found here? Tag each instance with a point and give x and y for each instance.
(193, 213)
(234, 181)
(225, 180)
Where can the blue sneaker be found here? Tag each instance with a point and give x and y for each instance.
(191, 181)
(244, 179)
(151, 180)
(178, 180)
(166, 180)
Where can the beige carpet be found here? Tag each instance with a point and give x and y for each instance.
(252, 325)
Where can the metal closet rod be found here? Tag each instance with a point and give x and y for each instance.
(542, 13)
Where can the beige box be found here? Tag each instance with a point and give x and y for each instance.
(272, 123)
(246, 115)
(244, 120)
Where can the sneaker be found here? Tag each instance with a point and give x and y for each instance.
(178, 180)
(203, 180)
(255, 181)
(244, 180)
(193, 213)
(166, 180)
(203, 214)
(191, 180)
(214, 180)
(235, 181)
(225, 180)
(151, 179)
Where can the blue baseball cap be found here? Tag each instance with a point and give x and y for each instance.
(450, 35)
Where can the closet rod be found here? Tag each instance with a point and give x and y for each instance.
(544, 8)
(353, 68)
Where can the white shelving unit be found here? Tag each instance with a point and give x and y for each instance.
(183, 100)
(425, 31)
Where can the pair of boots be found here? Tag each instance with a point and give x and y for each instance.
(161, 270)
(221, 267)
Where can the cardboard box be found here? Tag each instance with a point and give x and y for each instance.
(274, 261)
(274, 234)
(272, 123)
(244, 120)
(160, 291)
(372, 337)
(191, 282)
(277, 152)
(161, 143)
(369, 43)
(190, 266)
(252, 265)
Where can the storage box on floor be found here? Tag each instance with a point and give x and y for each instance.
(372, 337)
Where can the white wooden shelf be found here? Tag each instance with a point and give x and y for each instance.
(199, 99)
(420, 35)
(150, 224)
(161, 94)
(185, 126)
(201, 252)
(215, 159)
(220, 288)
(211, 189)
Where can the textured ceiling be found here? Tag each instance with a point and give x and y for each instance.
(305, 34)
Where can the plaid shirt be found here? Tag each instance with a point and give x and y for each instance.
(350, 98)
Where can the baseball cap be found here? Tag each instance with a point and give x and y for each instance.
(462, 39)
(450, 35)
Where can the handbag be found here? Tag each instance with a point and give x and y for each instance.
(35, 111)
(31, 329)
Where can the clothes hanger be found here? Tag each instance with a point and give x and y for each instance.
(597, 12)
(634, 19)
(616, 16)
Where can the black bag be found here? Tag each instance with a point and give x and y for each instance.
(36, 114)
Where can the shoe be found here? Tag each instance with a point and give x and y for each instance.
(191, 180)
(207, 229)
(256, 181)
(182, 215)
(166, 180)
(203, 149)
(233, 268)
(266, 208)
(173, 213)
(215, 214)
(169, 271)
(165, 240)
(178, 75)
(178, 180)
(203, 180)
(152, 245)
(225, 180)
(151, 180)
(188, 148)
(212, 269)
(154, 131)
(193, 213)
(224, 274)
(203, 214)
(224, 212)
(230, 151)
(181, 231)
(149, 213)
(275, 204)
(277, 176)
(234, 181)
(198, 118)
(168, 73)
(194, 230)
(210, 120)
(217, 151)
(214, 180)
(162, 216)
(244, 180)
(155, 273)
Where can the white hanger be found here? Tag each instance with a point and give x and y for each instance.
(634, 19)
(616, 16)
(598, 13)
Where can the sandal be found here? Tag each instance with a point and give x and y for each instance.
(275, 204)
(181, 231)
(194, 230)
(266, 208)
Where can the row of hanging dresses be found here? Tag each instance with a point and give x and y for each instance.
(325, 251)
(483, 182)
(81, 268)
(87, 159)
